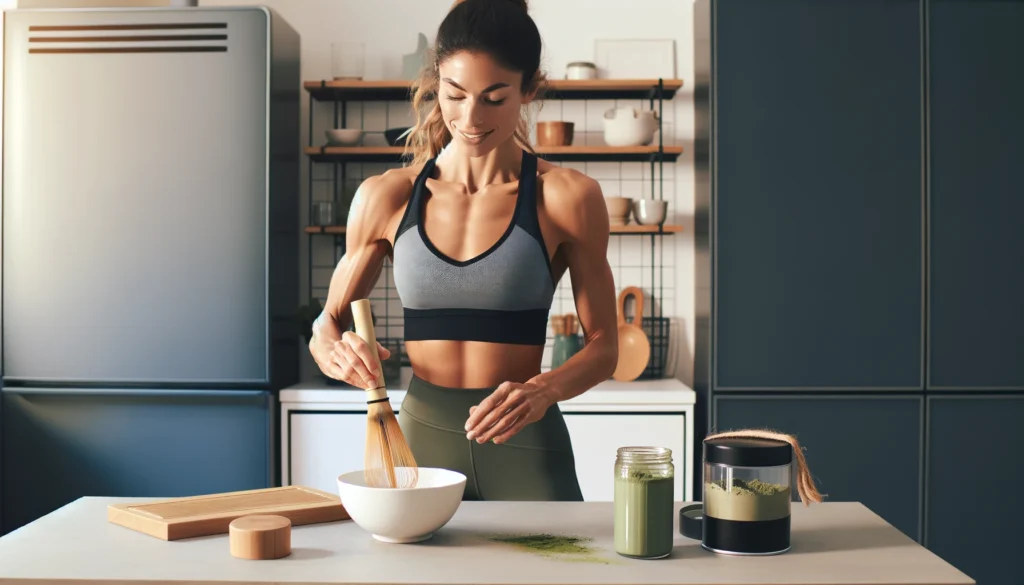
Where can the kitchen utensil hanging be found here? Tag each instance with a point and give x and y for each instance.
(634, 347)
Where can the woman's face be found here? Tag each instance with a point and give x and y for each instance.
(480, 101)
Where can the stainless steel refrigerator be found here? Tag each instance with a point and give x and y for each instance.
(150, 252)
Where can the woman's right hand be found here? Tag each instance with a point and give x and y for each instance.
(348, 360)
(351, 355)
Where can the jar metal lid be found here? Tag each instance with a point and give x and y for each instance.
(747, 452)
(582, 64)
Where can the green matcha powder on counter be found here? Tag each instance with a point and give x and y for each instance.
(568, 548)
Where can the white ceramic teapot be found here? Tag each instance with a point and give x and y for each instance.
(626, 126)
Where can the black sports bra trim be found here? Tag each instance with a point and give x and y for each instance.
(524, 327)
(409, 219)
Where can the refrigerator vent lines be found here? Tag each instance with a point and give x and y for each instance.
(143, 37)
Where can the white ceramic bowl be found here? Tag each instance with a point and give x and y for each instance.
(344, 136)
(627, 126)
(650, 211)
(403, 515)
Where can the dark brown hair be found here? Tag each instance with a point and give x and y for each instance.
(502, 29)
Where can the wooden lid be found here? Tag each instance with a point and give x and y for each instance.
(260, 537)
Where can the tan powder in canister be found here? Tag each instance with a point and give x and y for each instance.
(746, 501)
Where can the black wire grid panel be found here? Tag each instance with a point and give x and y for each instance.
(389, 322)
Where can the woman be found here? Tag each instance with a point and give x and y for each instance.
(479, 235)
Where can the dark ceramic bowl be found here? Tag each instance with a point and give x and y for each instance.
(394, 136)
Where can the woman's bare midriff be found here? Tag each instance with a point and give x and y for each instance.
(471, 364)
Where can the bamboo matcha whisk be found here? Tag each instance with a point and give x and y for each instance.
(389, 461)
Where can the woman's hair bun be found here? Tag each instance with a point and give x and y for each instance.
(520, 3)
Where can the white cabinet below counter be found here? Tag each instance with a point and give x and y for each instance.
(597, 435)
(323, 431)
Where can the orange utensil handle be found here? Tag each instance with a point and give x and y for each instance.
(638, 297)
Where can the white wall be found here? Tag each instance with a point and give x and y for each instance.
(388, 28)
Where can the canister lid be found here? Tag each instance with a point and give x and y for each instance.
(747, 452)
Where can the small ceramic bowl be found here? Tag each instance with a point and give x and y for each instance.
(618, 209)
(555, 133)
(650, 211)
(403, 515)
(344, 136)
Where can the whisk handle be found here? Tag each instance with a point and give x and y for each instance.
(363, 319)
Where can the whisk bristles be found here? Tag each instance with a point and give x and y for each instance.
(389, 460)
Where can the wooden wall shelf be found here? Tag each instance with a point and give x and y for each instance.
(355, 153)
(615, 229)
(352, 89)
(645, 229)
(609, 153)
(558, 89)
(325, 229)
(599, 89)
(552, 153)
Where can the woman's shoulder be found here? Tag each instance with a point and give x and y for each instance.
(390, 189)
(382, 197)
(570, 197)
(564, 182)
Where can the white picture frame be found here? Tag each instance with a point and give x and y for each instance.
(635, 58)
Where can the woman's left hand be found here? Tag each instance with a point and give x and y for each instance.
(506, 411)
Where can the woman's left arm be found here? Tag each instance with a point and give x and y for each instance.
(575, 205)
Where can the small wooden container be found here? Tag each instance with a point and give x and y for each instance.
(260, 537)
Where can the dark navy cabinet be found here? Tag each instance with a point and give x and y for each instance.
(863, 449)
(817, 194)
(859, 174)
(976, 240)
(60, 445)
(973, 512)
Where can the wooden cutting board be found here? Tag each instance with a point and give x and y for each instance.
(204, 515)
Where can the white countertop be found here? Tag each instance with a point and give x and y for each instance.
(833, 543)
(666, 394)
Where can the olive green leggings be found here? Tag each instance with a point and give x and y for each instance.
(536, 464)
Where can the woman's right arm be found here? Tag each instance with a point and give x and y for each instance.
(341, 354)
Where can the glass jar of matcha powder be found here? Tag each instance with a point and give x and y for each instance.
(644, 491)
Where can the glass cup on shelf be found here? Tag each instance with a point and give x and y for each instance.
(347, 60)
(323, 213)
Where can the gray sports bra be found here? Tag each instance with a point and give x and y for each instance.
(501, 296)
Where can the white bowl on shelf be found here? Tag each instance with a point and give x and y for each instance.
(403, 515)
(344, 136)
(650, 211)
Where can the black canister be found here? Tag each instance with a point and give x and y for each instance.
(747, 494)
